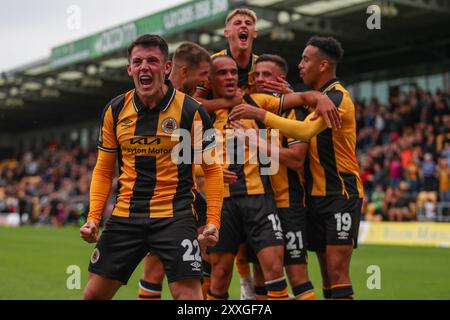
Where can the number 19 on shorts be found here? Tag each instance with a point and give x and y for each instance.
(343, 224)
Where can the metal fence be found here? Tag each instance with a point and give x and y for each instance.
(437, 212)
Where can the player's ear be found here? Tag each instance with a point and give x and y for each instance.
(168, 67)
(129, 69)
(255, 34)
(226, 32)
(323, 65)
(184, 71)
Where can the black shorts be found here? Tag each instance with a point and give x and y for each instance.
(250, 254)
(200, 208)
(125, 241)
(293, 223)
(249, 218)
(333, 221)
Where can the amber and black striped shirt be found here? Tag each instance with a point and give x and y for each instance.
(250, 180)
(289, 185)
(331, 167)
(150, 183)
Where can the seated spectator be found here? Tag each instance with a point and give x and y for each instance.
(443, 171)
(404, 208)
(426, 204)
(390, 199)
(46, 185)
(375, 206)
(428, 173)
(395, 171)
(446, 151)
(412, 177)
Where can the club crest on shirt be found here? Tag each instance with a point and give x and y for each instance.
(95, 256)
(169, 125)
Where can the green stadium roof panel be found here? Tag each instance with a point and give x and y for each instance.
(170, 21)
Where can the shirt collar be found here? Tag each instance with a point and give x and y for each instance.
(250, 63)
(162, 105)
(327, 86)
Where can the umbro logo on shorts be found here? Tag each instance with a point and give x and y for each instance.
(196, 266)
(279, 235)
(295, 253)
(343, 235)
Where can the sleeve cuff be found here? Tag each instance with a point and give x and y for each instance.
(214, 222)
(95, 219)
(106, 149)
(296, 142)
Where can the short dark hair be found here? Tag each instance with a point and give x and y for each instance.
(218, 57)
(328, 46)
(150, 40)
(279, 61)
(191, 54)
(222, 56)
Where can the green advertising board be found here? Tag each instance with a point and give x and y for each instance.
(170, 21)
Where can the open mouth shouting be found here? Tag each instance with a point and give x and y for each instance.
(243, 36)
(145, 81)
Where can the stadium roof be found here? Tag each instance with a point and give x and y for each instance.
(80, 77)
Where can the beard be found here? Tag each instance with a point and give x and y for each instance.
(188, 88)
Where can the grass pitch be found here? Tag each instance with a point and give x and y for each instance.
(34, 264)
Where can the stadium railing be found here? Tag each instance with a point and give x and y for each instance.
(439, 213)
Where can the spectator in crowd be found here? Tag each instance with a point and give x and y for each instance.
(412, 176)
(428, 173)
(400, 142)
(47, 187)
(404, 207)
(375, 205)
(446, 151)
(395, 170)
(443, 171)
